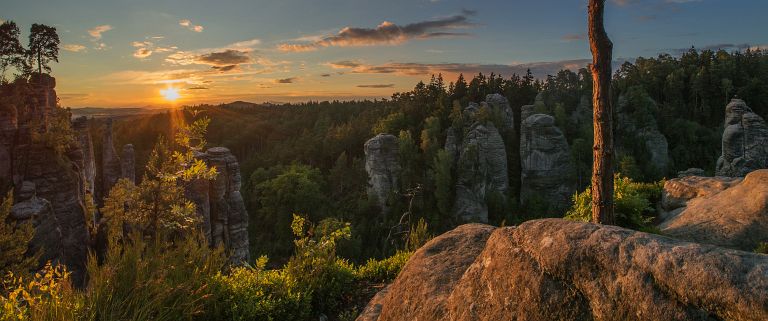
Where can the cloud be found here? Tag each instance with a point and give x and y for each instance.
(574, 37)
(225, 68)
(73, 48)
(286, 80)
(377, 86)
(343, 64)
(96, 32)
(227, 57)
(539, 69)
(189, 25)
(198, 88)
(387, 33)
(325, 75)
(142, 53)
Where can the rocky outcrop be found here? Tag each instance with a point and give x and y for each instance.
(111, 170)
(547, 169)
(678, 192)
(526, 111)
(691, 172)
(744, 146)
(58, 176)
(128, 163)
(500, 105)
(9, 124)
(221, 206)
(722, 211)
(383, 167)
(639, 133)
(47, 239)
(554, 269)
(480, 172)
(80, 125)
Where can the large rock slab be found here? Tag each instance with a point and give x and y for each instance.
(382, 164)
(500, 105)
(678, 191)
(554, 269)
(744, 141)
(547, 172)
(736, 217)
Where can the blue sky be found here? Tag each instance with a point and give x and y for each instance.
(122, 53)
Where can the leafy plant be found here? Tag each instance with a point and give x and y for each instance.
(633, 203)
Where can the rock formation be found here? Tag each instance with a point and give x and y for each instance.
(554, 269)
(383, 167)
(80, 125)
(111, 170)
(723, 211)
(481, 170)
(57, 175)
(744, 141)
(639, 132)
(128, 163)
(8, 128)
(547, 170)
(30, 208)
(220, 204)
(500, 105)
(526, 111)
(691, 172)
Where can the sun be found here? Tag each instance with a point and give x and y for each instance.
(170, 94)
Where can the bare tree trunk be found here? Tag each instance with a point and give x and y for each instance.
(602, 153)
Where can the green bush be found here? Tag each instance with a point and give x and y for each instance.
(253, 293)
(633, 203)
(762, 248)
(384, 270)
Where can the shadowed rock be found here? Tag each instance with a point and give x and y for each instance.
(128, 163)
(554, 269)
(80, 125)
(547, 169)
(39, 212)
(383, 167)
(744, 141)
(110, 161)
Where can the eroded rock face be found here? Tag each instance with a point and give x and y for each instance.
(691, 172)
(547, 169)
(110, 161)
(80, 125)
(9, 124)
(500, 104)
(727, 212)
(38, 211)
(639, 133)
(744, 141)
(480, 172)
(677, 192)
(554, 269)
(128, 163)
(221, 206)
(383, 167)
(526, 111)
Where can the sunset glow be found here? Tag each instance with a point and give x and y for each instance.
(170, 94)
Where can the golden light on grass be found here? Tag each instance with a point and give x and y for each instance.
(170, 94)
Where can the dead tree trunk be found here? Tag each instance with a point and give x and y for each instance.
(602, 152)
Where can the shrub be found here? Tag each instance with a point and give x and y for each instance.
(383, 270)
(762, 248)
(48, 295)
(14, 240)
(633, 203)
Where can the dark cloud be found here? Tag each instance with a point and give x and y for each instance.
(539, 69)
(388, 33)
(286, 80)
(224, 58)
(224, 68)
(325, 75)
(377, 86)
(344, 64)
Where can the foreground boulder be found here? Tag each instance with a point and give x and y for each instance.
(554, 269)
(728, 212)
(744, 141)
(679, 191)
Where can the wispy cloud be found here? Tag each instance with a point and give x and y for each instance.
(387, 33)
(189, 25)
(286, 80)
(574, 37)
(96, 32)
(73, 47)
(377, 86)
(220, 59)
(539, 69)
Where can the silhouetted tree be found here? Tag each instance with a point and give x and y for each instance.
(11, 51)
(602, 167)
(43, 46)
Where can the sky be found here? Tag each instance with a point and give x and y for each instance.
(129, 53)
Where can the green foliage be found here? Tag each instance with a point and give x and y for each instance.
(384, 270)
(59, 136)
(417, 236)
(43, 46)
(393, 123)
(633, 203)
(14, 240)
(47, 295)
